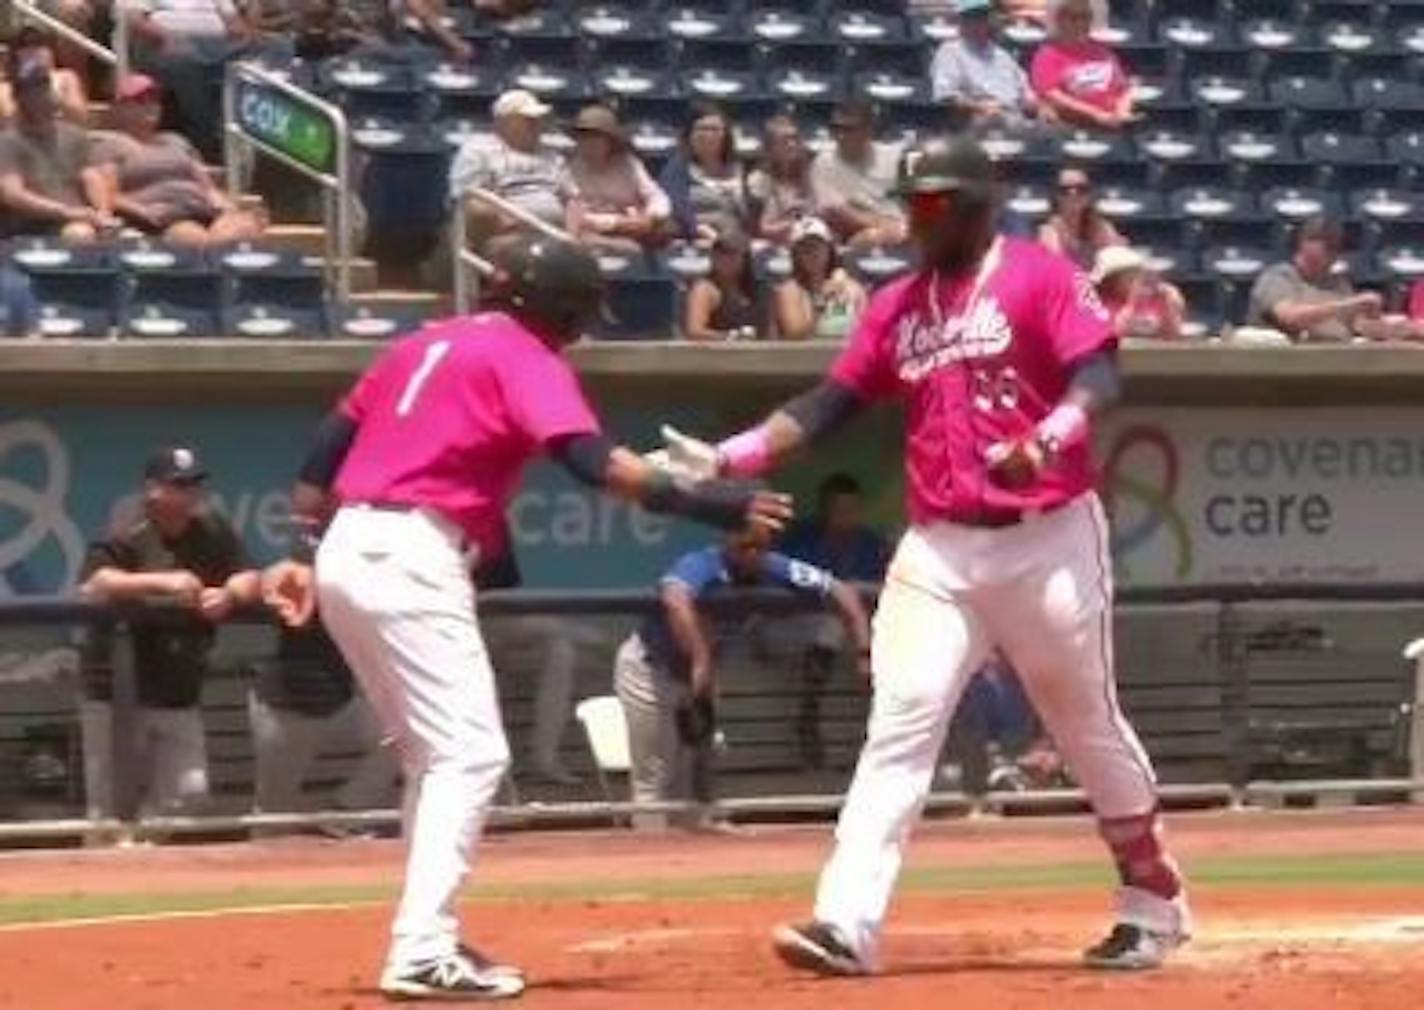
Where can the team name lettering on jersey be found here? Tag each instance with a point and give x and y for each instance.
(923, 346)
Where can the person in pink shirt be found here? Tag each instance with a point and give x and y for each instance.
(419, 463)
(1079, 78)
(1001, 354)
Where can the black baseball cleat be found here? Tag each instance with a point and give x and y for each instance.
(818, 947)
(1131, 948)
(465, 976)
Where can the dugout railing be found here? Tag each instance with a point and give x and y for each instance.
(1244, 695)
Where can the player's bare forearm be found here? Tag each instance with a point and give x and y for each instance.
(245, 587)
(686, 628)
(852, 615)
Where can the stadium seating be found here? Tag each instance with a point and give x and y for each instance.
(1253, 112)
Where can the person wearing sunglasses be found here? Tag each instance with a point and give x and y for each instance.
(1077, 228)
(1003, 356)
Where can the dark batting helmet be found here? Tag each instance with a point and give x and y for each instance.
(556, 281)
(953, 163)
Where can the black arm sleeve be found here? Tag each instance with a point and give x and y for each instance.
(720, 503)
(584, 456)
(333, 441)
(822, 410)
(1100, 376)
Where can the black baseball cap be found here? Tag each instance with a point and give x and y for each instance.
(175, 464)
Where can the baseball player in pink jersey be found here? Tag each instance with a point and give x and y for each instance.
(422, 457)
(1001, 354)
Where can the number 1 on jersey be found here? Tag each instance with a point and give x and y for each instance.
(433, 354)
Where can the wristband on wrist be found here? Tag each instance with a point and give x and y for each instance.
(747, 454)
(1064, 427)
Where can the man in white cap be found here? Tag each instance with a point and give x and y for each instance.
(515, 165)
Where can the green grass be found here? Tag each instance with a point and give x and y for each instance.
(1383, 870)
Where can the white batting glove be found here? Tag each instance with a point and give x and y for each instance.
(690, 457)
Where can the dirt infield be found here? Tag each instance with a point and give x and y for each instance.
(1298, 911)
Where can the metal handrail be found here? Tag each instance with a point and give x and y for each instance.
(337, 186)
(117, 57)
(464, 259)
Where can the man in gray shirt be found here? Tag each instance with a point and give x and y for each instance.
(1310, 302)
(980, 79)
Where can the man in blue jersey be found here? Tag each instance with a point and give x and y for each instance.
(665, 672)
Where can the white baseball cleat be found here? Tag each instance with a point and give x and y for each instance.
(817, 947)
(1132, 948)
(464, 976)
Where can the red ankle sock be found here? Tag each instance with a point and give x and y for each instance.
(1142, 862)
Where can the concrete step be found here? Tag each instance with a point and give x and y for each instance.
(307, 239)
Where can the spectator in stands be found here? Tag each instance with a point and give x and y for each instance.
(616, 203)
(1079, 78)
(854, 182)
(729, 303)
(502, 10)
(1077, 228)
(780, 186)
(160, 184)
(186, 44)
(665, 673)
(838, 540)
(1309, 300)
(979, 79)
(705, 181)
(48, 185)
(517, 167)
(17, 304)
(91, 18)
(1141, 303)
(183, 552)
(820, 300)
(31, 43)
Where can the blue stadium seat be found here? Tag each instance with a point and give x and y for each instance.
(365, 87)
(858, 27)
(460, 90)
(652, 54)
(1235, 263)
(1259, 176)
(550, 81)
(1264, 118)
(1252, 147)
(875, 265)
(702, 21)
(1406, 148)
(618, 82)
(263, 275)
(543, 21)
(1205, 312)
(783, 24)
(611, 21)
(1030, 201)
(172, 304)
(76, 288)
(1166, 236)
(888, 87)
(1189, 32)
(1202, 10)
(1297, 203)
(799, 85)
(891, 57)
(1219, 91)
(1129, 203)
(1401, 263)
(1351, 37)
(1270, 34)
(716, 84)
(1172, 146)
(383, 321)
(1349, 161)
(720, 54)
(1395, 105)
(1383, 205)
(1204, 203)
(1316, 103)
(273, 321)
(1212, 61)
(1092, 147)
(641, 298)
(932, 27)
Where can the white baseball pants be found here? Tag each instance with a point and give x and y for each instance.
(395, 592)
(1041, 591)
(171, 751)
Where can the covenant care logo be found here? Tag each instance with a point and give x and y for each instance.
(1140, 480)
(40, 547)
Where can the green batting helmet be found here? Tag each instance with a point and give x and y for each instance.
(952, 163)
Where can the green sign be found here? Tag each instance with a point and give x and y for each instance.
(298, 131)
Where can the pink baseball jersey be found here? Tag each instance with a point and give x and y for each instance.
(979, 360)
(448, 417)
(1087, 71)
